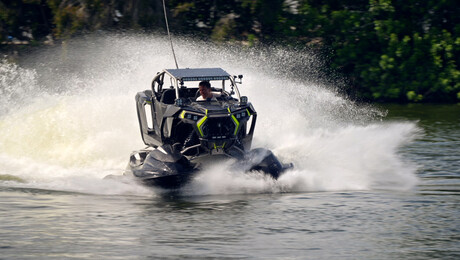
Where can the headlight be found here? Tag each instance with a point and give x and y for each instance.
(190, 116)
(242, 114)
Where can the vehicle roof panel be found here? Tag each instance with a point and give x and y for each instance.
(199, 74)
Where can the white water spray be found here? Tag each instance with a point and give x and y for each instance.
(68, 119)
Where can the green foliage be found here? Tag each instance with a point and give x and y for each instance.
(394, 51)
(403, 51)
(224, 29)
(412, 96)
(23, 20)
(71, 17)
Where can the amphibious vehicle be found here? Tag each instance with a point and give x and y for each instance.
(179, 130)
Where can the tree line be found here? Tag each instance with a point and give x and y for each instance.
(391, 51)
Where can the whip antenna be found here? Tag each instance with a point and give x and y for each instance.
(169, 35)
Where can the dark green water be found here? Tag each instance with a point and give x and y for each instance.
(438, 150)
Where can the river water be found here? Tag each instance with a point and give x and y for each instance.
(370, 182)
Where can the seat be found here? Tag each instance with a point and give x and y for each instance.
(168, 96)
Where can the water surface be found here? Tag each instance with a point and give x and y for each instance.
(369, 182)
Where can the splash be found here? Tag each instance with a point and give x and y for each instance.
(68, 118)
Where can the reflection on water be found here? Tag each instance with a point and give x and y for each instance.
(438, 150)
(319, 225)
(440, 122)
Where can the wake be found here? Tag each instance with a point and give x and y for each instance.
(68, 119)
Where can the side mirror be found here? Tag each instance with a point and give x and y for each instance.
(240, 78)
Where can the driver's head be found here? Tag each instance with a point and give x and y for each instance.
(205, 89)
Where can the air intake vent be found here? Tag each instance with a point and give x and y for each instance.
(218, 128)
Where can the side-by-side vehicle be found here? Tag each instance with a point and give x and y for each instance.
(179, 131)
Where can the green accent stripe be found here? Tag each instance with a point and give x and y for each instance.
(200, 123)
(249, 114)
(237, 124)
(222, 147)
(182, 115)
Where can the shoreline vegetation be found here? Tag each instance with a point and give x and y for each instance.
(389, 51)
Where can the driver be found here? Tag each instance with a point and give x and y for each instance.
(206, 93)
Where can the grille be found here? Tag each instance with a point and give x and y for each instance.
(218, 128)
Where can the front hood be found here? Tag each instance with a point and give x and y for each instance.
(209, 107)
